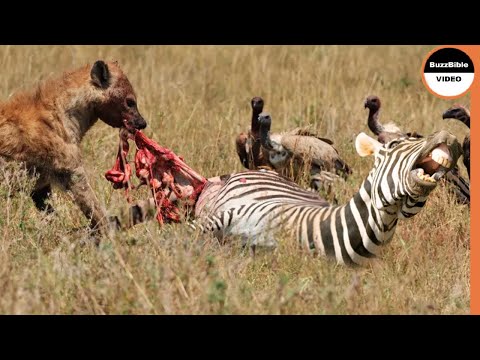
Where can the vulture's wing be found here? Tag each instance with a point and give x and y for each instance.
(328, 141)
(320, 153)
(244, 149)
(306, 131)
(310, 148)
(240, 146)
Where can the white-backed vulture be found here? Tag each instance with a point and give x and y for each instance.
(248, 143)
(461, 113)
(387, 132)
(290, 154)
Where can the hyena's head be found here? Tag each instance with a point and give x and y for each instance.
(118, 103)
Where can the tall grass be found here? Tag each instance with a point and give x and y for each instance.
(196, 99)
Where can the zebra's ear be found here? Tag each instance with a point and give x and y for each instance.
(365, 145)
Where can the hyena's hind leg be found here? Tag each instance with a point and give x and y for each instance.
(40, 196)
(42, 190)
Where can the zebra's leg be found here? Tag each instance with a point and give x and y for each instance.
(252, 250)
(230, 223)
(247, 242)
(216, 223)
(264, 240)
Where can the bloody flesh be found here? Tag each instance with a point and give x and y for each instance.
(171, 181)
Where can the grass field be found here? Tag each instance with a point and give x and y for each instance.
(196, 99)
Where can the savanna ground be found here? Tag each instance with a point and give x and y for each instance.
(196, 99)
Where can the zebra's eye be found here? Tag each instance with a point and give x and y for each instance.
(394, 143)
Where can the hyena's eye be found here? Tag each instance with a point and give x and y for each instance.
(131, 103)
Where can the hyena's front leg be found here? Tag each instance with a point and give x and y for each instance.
(76, 182)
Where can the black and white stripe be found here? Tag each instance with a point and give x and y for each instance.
(260, 206)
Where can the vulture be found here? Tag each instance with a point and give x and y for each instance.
(389, 132)
(461, 113)
(248, 143)
(288, 153)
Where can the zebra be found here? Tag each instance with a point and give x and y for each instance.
(259, 205)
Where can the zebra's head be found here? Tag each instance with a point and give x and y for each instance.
(407, 169)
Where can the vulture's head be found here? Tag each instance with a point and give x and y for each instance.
(272, 143)
(257, 104)
(458, 112)
(373, 103)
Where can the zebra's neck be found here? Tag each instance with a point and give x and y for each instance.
(351, 232)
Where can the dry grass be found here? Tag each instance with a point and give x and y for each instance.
(196, 99)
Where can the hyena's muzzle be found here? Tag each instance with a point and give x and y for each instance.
(118, 107)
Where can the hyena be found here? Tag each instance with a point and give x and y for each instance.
(43, 128)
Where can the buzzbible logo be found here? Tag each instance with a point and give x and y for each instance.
(448, 72)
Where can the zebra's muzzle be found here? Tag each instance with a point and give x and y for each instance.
(438, 157)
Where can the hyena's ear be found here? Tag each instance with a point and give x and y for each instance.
(100, 74)
(365, 145)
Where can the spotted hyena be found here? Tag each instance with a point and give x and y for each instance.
(43, 128)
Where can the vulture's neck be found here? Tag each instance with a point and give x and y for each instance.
(373, 122)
